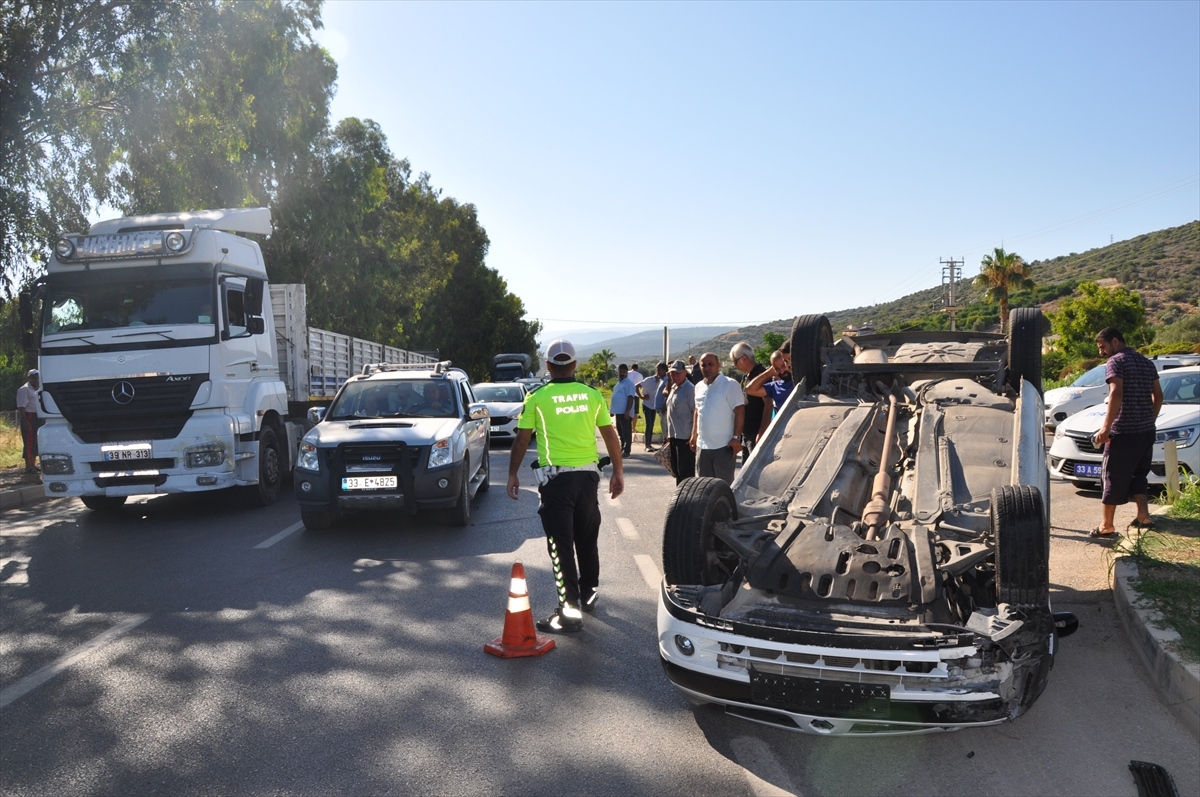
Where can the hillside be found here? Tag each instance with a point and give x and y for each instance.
(1163, 266)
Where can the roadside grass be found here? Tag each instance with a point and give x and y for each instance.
(10, 444)
(1168, 560)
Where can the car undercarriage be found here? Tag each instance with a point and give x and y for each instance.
(881, 562)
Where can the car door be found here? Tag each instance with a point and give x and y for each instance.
(477, 430)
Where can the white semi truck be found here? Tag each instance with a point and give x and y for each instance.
(161, 372)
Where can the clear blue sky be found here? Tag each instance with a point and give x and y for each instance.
(679, 163)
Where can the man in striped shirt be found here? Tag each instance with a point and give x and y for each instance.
(1127, 434)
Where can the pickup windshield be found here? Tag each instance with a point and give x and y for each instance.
(410, 398)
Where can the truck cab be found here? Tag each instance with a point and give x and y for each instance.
(159, 367)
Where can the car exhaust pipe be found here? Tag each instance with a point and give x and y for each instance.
(878, 510)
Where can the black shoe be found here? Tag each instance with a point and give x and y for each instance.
(588, 604)
(560, 623)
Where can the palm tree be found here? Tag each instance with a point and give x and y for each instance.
(608, 355)
(999, 273)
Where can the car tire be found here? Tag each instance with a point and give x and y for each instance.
(103, 503)
(1022, 547)
(460, 514)
(485, 482)
(316, 520)
(691, 553)
(1025, 327)
(809, 334)
(270, 470)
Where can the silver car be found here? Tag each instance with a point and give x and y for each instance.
(396, 437)
(504, 401)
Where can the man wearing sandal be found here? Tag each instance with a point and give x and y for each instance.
(1127, 434)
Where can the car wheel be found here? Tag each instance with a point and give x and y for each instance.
(809, 334)
(692, 554)
(1025, 327)
(485, 482)
(1022, 547)
(316, 520)
(270, 470)
(103, 503)
(460, 515)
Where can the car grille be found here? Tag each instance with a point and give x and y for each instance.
(1083, 442)
(156, 410)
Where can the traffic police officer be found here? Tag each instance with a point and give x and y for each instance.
(566, 414)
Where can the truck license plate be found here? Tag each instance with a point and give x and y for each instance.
(123, 452)
(1087, 469)
(369, 483)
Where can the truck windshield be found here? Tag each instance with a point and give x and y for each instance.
(419, 398)
(85, 305)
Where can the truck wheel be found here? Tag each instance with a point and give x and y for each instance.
(316, 520)
(103, 503)
(270, 469)
(691, 553)
(809, 334)
(1025, 348)
(460, 515)
(1022, 547)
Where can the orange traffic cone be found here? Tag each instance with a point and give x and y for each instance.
(519, 637)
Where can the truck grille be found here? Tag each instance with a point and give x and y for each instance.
(136, 408)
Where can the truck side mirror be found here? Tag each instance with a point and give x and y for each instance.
(254, 296)
(25, 310)
(255, 325)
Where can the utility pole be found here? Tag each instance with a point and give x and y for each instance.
(951, 274)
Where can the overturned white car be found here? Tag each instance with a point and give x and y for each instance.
(881, 563)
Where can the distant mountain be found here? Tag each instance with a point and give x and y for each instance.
(647, 346)
(1163, 266)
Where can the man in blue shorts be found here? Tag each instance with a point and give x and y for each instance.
(1127, 433)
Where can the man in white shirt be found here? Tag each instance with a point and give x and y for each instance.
(27, 406)
(635, 376)
(624, 399)
(720, 412)
(649, 390)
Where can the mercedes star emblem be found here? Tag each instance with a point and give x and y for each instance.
(122, 392)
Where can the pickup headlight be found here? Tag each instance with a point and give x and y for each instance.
(308, 457)
(1183, 436)
(442, 453)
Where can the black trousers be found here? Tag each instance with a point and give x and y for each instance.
(570, 514)
(650, 415)
(683, 459)
(625, 433)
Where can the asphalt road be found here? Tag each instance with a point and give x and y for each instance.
(198, 647)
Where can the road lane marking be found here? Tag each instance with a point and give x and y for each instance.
(28, 684)
(650, 572)
(763, 771)
(627, 528)
(292, 529)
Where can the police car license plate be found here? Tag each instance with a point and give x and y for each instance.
(369, 483)
(120, 453)
(1087, 469)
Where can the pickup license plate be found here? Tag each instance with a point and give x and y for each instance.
(122, 453)
(369, 483)
(1087, 469)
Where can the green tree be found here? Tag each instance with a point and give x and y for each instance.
(607, 356)
(1000, 274)
(1080, 317)
(771, 342)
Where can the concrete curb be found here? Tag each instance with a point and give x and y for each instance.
(25, 495)
(1177, 682)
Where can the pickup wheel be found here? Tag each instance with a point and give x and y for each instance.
(270, 469)
(692, 554)
(1022, 547)
(1025, 348)
(103, 503)
(316, 521)
(460, 515)
(809, 334)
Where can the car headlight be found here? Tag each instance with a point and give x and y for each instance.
(1183, 436)
(1059, 433)
(441, 454)
(308, 459)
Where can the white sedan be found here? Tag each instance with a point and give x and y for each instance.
(504, 401)
(1088, 390)
(1074, 458)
